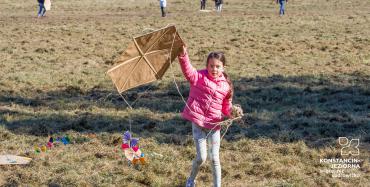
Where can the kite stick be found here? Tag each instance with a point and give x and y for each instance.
(145, 59)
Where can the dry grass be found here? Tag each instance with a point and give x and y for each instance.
(303, 79)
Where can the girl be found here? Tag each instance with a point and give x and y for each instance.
(219, 5)
(209, 99)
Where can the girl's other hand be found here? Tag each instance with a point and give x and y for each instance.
(237, 111)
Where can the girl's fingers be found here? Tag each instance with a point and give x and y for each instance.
(183, 51)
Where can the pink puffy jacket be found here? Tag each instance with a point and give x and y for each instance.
(207, 98)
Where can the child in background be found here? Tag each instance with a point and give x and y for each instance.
(42, 9)
(219, 5)
(210, 99)
(163, 4)
(203, 4)
(282, 6)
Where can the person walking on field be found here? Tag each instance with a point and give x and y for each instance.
(219, 5)
(42, 10)
(282, 6)
(209, 101)
(163, 4)
(203, 4)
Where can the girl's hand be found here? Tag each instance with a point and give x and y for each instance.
(183, 51)
(237, 111)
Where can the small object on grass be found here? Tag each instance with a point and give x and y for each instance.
(131, 149)
(43, 148)
(13, 159)
(37, 149)
(125, 146)
(135, 161)
(50, 144)
(142, 159)
(205, 10)
(65, 140)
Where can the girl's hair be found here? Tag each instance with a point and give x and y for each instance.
(221, 57)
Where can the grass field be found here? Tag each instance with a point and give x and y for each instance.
(303, 80)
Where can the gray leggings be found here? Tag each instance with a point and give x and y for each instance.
(200, 136)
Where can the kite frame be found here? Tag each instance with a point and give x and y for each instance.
(142, 55)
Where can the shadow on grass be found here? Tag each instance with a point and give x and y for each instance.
(74, 98)
(316, 110)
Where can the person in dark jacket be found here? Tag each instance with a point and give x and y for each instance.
(219, 5)
(203, 4)
(42, 9)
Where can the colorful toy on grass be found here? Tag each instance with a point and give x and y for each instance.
(50, 144)
(131, 149)
(65, 140)
(37, 149)
(43, 148)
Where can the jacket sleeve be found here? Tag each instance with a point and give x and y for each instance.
(226, 107)
(190, 73)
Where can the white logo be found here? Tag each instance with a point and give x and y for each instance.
(349, 147)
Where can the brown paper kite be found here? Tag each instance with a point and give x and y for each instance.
(146, 59)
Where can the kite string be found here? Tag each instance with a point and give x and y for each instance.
(144, 93)
(133, 103)
(129, 116)
(125, 101)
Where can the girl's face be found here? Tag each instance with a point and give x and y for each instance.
(215, 67)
